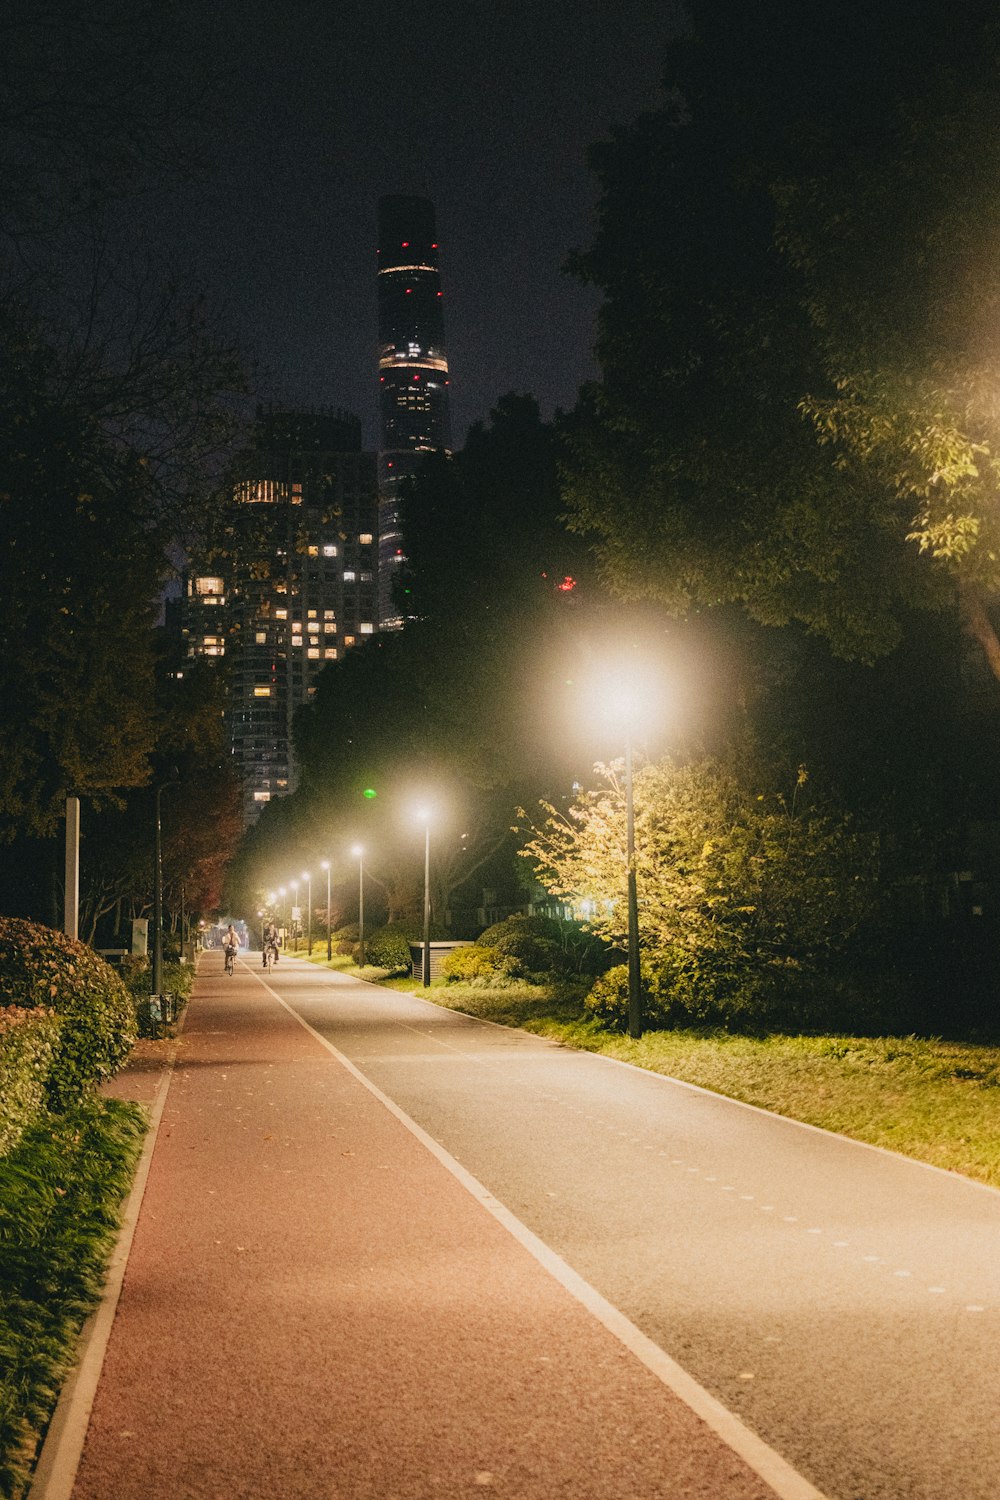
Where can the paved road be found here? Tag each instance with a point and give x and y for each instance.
(316, 1306)
(843, 1301)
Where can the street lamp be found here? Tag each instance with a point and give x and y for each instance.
(325, 864)
(294, 887)
(282, 892)
(425, 818)
(172, 779)
(359, 855)
(306, 876)
(634, 965)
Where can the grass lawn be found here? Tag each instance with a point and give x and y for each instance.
(61, 1191)
(935, 1100)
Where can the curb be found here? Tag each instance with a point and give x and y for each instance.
(55, 1472)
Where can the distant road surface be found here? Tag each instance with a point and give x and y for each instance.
(843, 1302)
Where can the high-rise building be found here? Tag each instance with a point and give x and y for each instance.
(292, 589)
(412, 367)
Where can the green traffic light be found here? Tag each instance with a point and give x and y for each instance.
(368, 792)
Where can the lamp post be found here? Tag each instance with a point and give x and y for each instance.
(157, 978)
(426, 965)
(325, 864)
(307, 877)
(359, 855)
(282, 892)
(294, 886)
(634, 965)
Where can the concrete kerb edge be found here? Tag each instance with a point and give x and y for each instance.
(55, 1472)
(764, 1461)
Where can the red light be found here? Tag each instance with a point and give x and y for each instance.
(567, 585)
(389, 465)
(434, 247)
(399, 551)
(381, 380)
(406, 244)
(440, 294)
(409, 289)
(416, 377)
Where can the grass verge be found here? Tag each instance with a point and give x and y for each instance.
(61, 1193)
(934, 1100)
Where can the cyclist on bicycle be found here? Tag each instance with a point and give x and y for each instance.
(230, 943)
(269, 946)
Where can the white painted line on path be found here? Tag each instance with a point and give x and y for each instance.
(767, 1464)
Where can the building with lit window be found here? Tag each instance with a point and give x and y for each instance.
(296, 585)
(412, 369)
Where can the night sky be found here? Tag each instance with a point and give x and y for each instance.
(486, 108)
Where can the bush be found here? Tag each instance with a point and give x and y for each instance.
(28, 1040)
(44, 968)
(478, 964)
(608, 1000)
(532, 944)
(389, 947)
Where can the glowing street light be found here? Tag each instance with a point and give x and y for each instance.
(325, 865)
(425, 817)
(359, 855)
(306, 876)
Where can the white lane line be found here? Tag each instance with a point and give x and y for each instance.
(764, 1461)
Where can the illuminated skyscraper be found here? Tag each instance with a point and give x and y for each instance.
(294, 588)
(413, 369)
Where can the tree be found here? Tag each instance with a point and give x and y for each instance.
(746, 899)
(797, 406)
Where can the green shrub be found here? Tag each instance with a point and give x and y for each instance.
(44, 968)
(531, 943)
(389, 947)
(477, 963)
(608, 1000)
(28, 1040)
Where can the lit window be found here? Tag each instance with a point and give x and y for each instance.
(262, 796)
(281, 614)
(366, 538)
(312, 551)
(262, 692)
(281, 782)
(348, 640)
(330, 653)
(366, 629)
(296, 626)
(311, 614)
(208, 586)
(211, 640)
(312, 626)
(313, 651)
(296, 640)
(366, 578)
(329, 550)
(328, 614)
(349, 577)
(329, 628)
(261, 637)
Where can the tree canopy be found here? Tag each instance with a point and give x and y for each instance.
(797, 410)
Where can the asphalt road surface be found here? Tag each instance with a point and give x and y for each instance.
(842, 1301)
(318, 1305)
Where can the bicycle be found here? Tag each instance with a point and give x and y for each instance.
(270, 954)
(230, 959)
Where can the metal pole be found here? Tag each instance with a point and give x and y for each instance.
(157, 904)
(427, 906)
(309, 917)
(71, 901)
(634, 964)
(329, 942)
(361, 911)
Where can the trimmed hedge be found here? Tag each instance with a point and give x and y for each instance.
(28, 1041)
(389, 947)
(42, 968)
(478, 964)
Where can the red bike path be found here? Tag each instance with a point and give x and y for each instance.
(315, 1306)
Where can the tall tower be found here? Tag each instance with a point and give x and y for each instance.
(413, 369)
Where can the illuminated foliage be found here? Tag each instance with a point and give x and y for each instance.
(798, 410)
